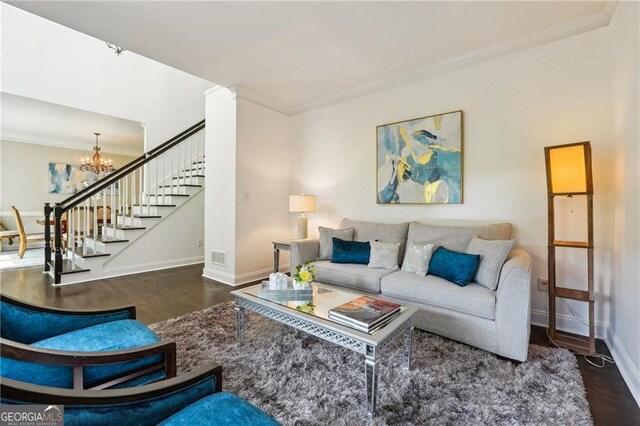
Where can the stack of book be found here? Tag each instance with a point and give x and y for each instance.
(364, 313)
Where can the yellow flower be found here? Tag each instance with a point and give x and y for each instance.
(306, 276)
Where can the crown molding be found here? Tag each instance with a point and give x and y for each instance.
(609, 8)
(244, 94)
(548, 35)
(76, 146)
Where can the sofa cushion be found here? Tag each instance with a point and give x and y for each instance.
(492, 257)
(473, 299)
(326, 240)
(220, 409)
(350, 252)
(456, 238)
(111, 336)
(459, 268)
(374, 231)
(360, 277)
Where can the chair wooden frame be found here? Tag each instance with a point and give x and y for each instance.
(79, 360)
(24, 237)
(36, 394)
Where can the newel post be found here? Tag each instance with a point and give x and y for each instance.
(57, 213)
(47, 236)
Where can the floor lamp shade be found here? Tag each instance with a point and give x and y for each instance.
(302, 204)
(569, 169)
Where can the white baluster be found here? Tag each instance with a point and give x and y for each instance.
(104, 210)
(113, 206)
(164, 175)
(133, 196)
(70, 232)
(125, 202)
(171, 155)
(146, 184)
(86, 227)
(190, 142)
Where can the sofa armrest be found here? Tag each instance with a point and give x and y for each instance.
(513, 306)
(303, 251)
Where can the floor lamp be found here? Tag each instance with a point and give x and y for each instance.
(569, 174)
(302, 204)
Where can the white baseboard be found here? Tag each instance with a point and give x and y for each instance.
(152, 266)
(625, 364)
(568, 323)
(235, 280)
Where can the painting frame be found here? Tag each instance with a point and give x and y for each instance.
(445, 191)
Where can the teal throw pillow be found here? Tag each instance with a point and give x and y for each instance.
(459, 268)
(350, 251)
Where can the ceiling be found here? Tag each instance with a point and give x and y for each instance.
(33, 121)
(295, 54)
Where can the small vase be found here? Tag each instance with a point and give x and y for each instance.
(301, 285)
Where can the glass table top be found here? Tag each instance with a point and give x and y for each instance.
(322, 299)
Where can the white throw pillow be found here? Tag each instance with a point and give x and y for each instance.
(417, 258)
(384, 255)
(492, 253)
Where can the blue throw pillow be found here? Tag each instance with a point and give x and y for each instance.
(459, 268)
(350, 251)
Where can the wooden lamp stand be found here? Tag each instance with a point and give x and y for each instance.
(569, 174)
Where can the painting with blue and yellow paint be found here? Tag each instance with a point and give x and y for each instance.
(68, 179)
(419, 161)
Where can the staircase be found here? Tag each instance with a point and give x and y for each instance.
(94, 225)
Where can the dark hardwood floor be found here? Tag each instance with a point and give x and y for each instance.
(169, 293)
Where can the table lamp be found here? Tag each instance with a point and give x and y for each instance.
(302, 204)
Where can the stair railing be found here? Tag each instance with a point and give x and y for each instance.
(111, 200)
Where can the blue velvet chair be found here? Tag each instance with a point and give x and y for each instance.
(191, 399)
(80, 349)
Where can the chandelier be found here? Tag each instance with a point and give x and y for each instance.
(96, 164)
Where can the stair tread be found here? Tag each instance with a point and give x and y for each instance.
(155, 205)
(187, 177)
(182, 184)
(79, 251)
(142, 216)
(169, 195)
(68, 268)
(108, 240)
(125, 227)
(196, 169)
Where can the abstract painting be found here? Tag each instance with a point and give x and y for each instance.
(67, 179)
(419, 161)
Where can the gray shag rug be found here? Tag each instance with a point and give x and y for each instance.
(302, 380)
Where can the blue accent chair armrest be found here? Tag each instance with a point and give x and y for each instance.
(191, 397)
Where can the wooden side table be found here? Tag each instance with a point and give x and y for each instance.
(277, 246)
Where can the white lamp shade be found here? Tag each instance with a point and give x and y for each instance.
(302, 203)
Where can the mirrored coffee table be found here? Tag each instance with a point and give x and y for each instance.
(311, 315)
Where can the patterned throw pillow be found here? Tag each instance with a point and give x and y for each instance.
(384, 255)
(417, 257)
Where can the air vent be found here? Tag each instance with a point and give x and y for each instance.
(219, 258)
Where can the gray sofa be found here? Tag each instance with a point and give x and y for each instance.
(496, 321)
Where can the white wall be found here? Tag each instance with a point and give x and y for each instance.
(513, 107)
(49, 62)
(172, 242)
(220, 181)
(248, 172)
(624, 339)
(263, 167)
